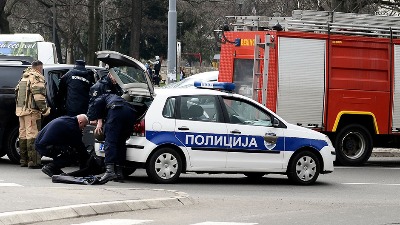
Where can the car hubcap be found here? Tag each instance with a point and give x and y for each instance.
(306, 168)
(166, 166)
(353, 145)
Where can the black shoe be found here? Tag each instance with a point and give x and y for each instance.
(109, 174)
(51, 170)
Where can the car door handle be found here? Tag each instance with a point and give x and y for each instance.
(236, 132)
(183, 128)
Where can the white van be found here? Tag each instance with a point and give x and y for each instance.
(30, 45)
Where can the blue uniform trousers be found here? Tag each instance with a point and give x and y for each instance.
(118, 127)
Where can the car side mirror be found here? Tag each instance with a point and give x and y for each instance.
(275, 122)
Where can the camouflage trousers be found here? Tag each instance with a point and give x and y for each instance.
(29, 127)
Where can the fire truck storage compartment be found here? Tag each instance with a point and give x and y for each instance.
(396, 95)
(301, 90)
(359, 81)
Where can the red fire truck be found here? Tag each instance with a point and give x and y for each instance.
(337, 73)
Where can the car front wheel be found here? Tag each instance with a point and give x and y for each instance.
(304, 169)
(164, 166)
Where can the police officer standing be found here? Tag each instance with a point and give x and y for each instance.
(61, 140)
(73, 94)
(30, 106)
(119, 117)
(105, 85)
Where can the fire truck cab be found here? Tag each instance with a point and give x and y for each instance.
(337, 73)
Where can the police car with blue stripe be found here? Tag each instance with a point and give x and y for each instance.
(210, 129)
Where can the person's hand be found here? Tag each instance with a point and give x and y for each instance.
(93, 122)
(99, 127)
(46, 112)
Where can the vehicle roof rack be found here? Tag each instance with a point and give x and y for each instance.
(323, 22)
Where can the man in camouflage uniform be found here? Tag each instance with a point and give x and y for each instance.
(30, 106)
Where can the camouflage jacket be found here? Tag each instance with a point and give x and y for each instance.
(30, 93)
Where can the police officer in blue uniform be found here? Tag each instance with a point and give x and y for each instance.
(73, 94)
(119, 117)
(61, 140)
(105, 85)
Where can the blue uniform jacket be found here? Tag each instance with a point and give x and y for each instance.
(73, 92)
(62, 131)
(98, 109)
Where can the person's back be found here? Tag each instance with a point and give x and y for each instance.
(51, 133)
(74, 90)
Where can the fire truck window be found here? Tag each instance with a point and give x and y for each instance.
(243, 76)
(241, 112)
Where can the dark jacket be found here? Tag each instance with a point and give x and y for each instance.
(73, 94)
(103, 86)
(62, 131)
(99, 107)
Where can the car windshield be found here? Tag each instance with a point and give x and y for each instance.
(130, 74)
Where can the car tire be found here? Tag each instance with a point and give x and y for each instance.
(304, 168)
(164, 166)
(353, 145)
(11, 145)
(254, 175)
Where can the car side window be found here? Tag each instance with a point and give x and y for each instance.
(169, 108)
(242, 112)
(199, 108)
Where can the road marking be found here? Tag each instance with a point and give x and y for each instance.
(114, 222)
(10, 185)
(372, 184)
(376, 168)
(223, 223)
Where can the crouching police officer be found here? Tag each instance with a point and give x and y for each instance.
(119, 117)
(61, 140)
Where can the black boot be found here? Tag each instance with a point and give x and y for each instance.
(120, 174)
(109, 174)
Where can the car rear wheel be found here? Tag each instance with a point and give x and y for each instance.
(164, 166)
(304, 168)
(12, 145)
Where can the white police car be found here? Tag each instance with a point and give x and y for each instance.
(205, 130)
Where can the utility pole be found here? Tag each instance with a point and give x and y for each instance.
(171, 66)
(103, 28)
(54, 21)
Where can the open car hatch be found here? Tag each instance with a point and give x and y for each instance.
(130, 73)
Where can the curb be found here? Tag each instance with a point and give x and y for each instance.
(386, 152)
(91, 209)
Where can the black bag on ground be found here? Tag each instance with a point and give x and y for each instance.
(90, 180)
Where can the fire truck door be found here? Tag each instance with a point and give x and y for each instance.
(301, 91)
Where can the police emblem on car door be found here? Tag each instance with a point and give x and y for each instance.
(254, 139)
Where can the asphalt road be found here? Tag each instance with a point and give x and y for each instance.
(350, 195)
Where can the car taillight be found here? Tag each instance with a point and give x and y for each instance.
(139, 128)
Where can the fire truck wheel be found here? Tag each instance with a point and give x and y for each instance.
(353, 145)
(304, 168)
